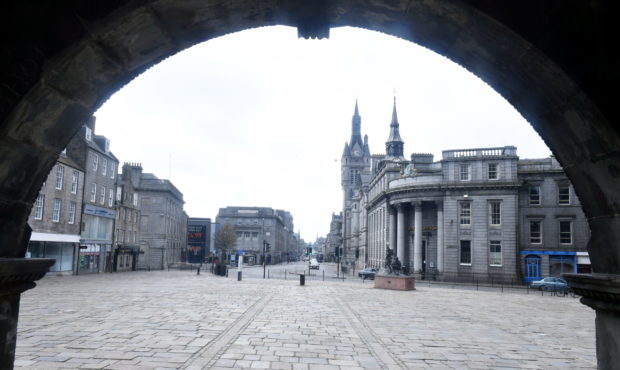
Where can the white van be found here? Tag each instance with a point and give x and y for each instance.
(314, 264)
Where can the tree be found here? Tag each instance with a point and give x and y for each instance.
(225, 239)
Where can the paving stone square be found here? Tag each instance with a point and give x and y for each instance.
(180, 320)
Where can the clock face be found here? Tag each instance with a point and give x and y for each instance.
(356, 152)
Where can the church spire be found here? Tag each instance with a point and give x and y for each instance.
(356, 128)
(394, 144)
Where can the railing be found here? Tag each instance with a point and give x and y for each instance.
(480, 152)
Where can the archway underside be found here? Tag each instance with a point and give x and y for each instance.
(61, 62)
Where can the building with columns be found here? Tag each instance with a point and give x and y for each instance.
(467, 217)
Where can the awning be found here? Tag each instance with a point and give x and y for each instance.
(52, 237)
(583, 258)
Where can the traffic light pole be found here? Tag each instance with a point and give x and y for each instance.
(264, 262)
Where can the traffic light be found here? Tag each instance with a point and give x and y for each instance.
(309, 251)
(268, 245)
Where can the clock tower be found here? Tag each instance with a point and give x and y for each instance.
(355, 161)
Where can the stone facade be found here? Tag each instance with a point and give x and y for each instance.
(92, 153)
(163, 223)
(56, 216)
(255, 225)
(128, 216)
(466, 217)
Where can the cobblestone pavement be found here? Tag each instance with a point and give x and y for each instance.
(180, 320)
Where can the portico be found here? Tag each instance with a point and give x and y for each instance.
(417, 223)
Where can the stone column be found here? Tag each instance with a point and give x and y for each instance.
(400, 233)
(440, 250)
(602, 293)
(417, 238)
(16, 276)
(393, 226)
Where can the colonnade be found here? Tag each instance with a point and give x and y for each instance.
(399, 237)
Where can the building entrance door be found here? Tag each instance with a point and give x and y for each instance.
(532, 268)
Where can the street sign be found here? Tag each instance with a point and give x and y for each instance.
(241, 252)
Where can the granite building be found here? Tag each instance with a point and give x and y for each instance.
(92, 153)
(163, 223)
(56, 216)
(127, 228)
(256, 225)
(477, 214)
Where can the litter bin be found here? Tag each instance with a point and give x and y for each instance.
(302, 279)
(220, 270)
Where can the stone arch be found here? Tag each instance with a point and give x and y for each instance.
(57, 73)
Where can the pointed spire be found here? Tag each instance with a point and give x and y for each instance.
(394, 116)
(356, 128)
(346, 151)
(394, 144)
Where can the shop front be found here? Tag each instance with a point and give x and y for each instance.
(538, 264)
(125, 258)
(96, 242)
(61, 247)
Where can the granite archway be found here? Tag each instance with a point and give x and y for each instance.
(548, 59)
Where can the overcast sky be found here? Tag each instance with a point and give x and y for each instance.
(260, 118)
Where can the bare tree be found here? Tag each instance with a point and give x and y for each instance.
(225, 239)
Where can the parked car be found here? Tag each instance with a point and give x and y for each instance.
(314, 264)
(550, 283)
(368, 273)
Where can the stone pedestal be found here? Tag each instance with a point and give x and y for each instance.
(602, 293)
(394, 282)
(16, 276)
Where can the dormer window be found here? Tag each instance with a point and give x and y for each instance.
(107, 145)
(89, 134)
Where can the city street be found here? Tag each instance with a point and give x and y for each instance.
(181, 320)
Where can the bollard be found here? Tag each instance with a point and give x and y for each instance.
(267, 274)
(285, 273)
(198, 271)
(323, 275)
(302, 279)
(238, 275)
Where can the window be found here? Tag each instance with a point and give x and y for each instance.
(495, 253)
(119, 193)
(104, 167)
(563, 195)
(111, 198)
(71, 219)
(135, 199)
(38, 207)
(102, 195)
(95, 162)
(60, 171)
(535, 196)
(89, 133)
(93, 192)
(56, 210)
(465, 174)
(495, 213)
(74, 182)
(465, 258)
(535, 232)
(566, 235)
(112, 170)
(493, 173)
(465, 213)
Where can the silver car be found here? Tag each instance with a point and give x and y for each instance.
(550, 283)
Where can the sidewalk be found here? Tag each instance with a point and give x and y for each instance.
(180, 320)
